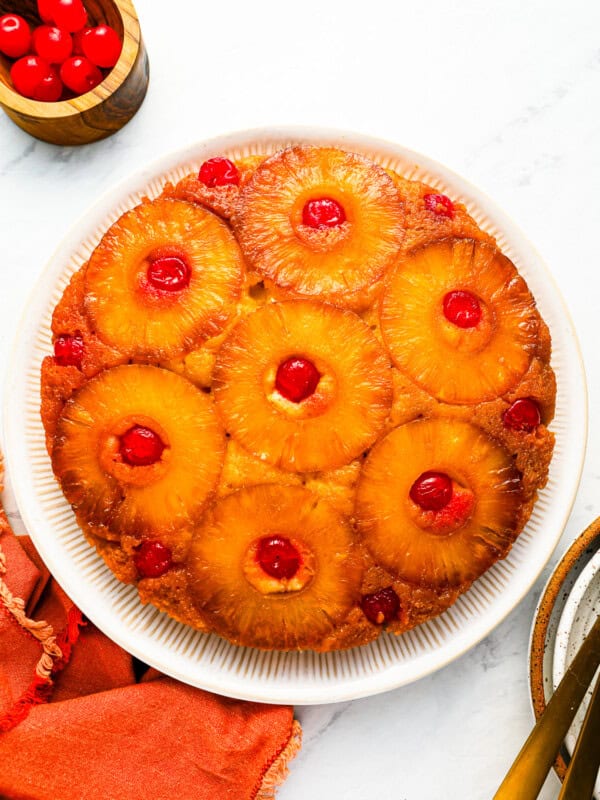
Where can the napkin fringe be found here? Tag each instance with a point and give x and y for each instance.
(277, 770)
(39, 629)
(55, 656)
(37, 692)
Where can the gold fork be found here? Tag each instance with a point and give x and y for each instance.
(528, 773)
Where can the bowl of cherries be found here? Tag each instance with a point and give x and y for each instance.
(71, 71)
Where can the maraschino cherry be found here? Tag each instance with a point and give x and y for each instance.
(52, 44)
(441, 205)
(101, 45)
(169, 273)
(432, 491)
(152, 559)
(382, 606)
(462, 308)
(15, 36)
(68, 350)
(297, 378)
(68, 15)
(80, 75)
(34, 78)
(141, 446)
(219, 172)
(278, 557)
(323, 212)
(522, 415)
(46, 11)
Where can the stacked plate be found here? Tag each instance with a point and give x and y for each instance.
(567, 610)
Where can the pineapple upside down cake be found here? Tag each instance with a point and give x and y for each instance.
(298, 400)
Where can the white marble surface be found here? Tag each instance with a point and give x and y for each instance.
(506, 93)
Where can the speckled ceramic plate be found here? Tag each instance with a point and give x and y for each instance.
(211, 662)
(567, 609)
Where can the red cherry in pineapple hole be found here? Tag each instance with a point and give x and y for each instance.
(382, 606)
(441, 205)
(297, 378)
(68, 350)
(219, 172)
(80, 75)
(462, 308)
(168, 274)
(152, 559)
(15, 36)
(141, 446)
(52, 44)
(323, 212)
(522, 415)
(278, 557)
(432, 491)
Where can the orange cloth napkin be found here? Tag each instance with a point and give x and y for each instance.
(75, 723)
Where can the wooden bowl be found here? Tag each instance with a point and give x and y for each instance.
(98, 113)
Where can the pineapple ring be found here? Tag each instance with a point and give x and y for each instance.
(386, 516)
(217, 567)
(330, 428)
(140, 321)
(336, 264)
(459, 365)
(162, 496)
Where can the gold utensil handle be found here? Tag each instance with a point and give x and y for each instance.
(528, 773)
(581, 776)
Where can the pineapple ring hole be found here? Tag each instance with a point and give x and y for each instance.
(315, 404)
(449, 519)
(322, 239)
(164, 273)
(111, 459)
(266, 584)
(469, 339)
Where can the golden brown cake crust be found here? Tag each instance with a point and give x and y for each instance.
(173, 592)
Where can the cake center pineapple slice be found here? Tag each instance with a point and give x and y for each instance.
(303, 385)
(458, 320)
(274, 566)
(438, 502)
(138, 450)
(165, 277)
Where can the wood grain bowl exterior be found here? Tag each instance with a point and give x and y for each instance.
(98, 113)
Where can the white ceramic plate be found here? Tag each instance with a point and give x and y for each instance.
(578, 616)
(208, 661)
